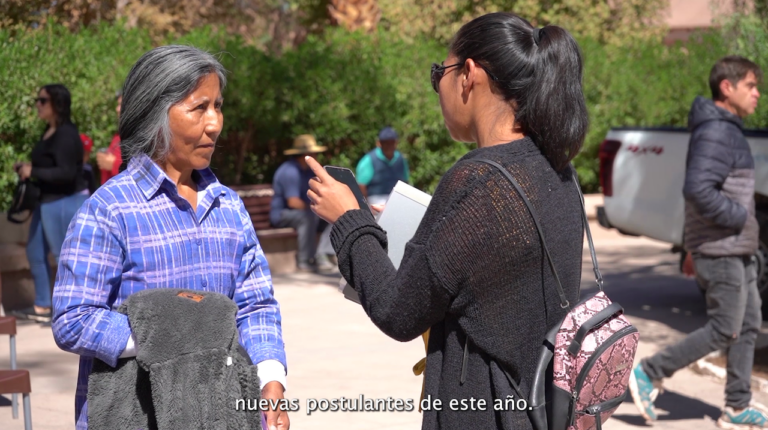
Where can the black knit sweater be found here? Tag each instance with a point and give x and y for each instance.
(474, 268)
(57, 164)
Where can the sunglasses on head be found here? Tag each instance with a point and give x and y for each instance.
(41, 100)
(438, 70)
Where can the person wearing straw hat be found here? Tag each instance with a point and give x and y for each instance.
(290, 204)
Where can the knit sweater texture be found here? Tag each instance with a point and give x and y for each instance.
(475, 269)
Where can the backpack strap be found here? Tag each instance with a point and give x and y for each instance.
(595, 268)
(563, 300)
(598, 276)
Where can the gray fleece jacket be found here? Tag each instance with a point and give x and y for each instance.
(719, 184)
(189, 372)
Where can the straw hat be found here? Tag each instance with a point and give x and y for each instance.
(305, 144)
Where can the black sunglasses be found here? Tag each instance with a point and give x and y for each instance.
(438, 70)
(41, 100)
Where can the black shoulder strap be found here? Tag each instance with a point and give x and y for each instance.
(595, 268)
(563, 300)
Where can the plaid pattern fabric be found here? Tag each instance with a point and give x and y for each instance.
(137, 232)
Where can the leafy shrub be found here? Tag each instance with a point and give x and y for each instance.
(91, 64)
(342, 87)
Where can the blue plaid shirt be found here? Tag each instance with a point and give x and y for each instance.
(137, 232)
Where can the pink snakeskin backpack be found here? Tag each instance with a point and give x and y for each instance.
(585, 360)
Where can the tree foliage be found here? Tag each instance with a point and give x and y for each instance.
(616, 22)
(355, 14)
(267, 24)
(342, 87)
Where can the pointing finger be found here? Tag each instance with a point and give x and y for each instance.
(317, 169)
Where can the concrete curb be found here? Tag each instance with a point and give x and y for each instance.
(705, 367)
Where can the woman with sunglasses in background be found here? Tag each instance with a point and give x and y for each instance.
(57, 168)
(475, 273)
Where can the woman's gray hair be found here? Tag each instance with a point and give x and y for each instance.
(160, 79)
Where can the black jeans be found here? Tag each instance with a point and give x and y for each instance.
(733, 309)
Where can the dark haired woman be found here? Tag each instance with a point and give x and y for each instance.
(57, 168)
(474, 273)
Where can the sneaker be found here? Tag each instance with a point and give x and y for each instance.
(747, 419)
(31, 314)
(642, 389)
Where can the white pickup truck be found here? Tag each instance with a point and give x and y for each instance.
(642, 171)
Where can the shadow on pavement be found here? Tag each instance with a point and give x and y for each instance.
(677, 407)
(646, 282)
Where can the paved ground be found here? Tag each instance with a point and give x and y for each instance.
(334, 350)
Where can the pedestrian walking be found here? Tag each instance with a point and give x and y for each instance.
(721, 234)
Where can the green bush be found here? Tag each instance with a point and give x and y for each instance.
(647, 85)
(342, 87)
(91, 64)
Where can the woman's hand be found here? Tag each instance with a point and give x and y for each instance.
(277, 419)
(24, 170)
(105, 160)
(330, 198)
(377, 209)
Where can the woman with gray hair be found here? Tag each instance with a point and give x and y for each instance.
(166, 222)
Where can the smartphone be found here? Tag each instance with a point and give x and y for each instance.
(346, 177)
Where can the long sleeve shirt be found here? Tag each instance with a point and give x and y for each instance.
(137, 232)
(57, 164)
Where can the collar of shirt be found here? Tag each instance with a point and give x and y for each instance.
(149, 177)
(380, 155)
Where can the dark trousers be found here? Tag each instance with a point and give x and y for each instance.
(734, 319)
(305, 222)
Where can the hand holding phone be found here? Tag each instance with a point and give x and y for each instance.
(333, 192)
(346, 177)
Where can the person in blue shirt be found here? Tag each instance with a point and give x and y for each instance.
(290, 204)
(379, 170)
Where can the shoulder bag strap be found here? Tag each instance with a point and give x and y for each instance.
(599, 278)
(595, 268)
(563, 300)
